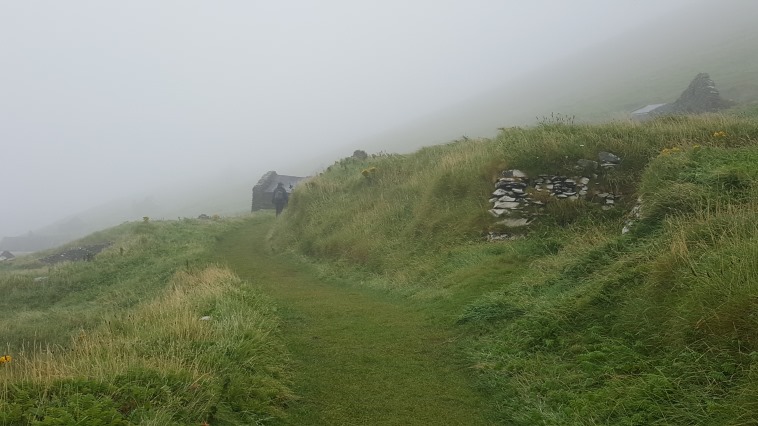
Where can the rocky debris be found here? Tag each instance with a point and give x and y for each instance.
(514, 223)
(517, 200)
(40, 279)
(203, 216)
(584, 164)
(699, 97)
(608, 160)
(502, 236)
(634, 216)
(205, 318)
(6, 255)
(76, 254)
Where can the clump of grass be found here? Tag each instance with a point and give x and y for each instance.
(148, 334)
(201, 351)
(660, 321)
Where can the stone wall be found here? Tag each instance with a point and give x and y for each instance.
(519, 199)
(263, 191)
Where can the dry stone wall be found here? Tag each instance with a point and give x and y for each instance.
(518, 199)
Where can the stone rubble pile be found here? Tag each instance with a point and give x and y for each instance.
(517, 200)
(83, 253)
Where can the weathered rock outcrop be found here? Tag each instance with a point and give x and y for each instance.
(699, 97)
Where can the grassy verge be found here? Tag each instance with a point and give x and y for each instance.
(575, 323)
(359, 355)
(148, 332)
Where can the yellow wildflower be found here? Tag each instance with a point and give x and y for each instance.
(719, 134)
(365, 172)
(5, 358)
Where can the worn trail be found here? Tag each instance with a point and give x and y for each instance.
(360, 356)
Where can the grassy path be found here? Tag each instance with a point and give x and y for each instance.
(361, 357)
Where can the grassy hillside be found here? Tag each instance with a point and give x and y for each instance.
(121, 339)
(575, 322)
(570, 321)
(652, 64)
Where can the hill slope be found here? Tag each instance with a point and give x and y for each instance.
(651, 65)
(566, 321)
(570, 313)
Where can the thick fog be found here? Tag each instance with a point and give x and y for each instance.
(108, 100)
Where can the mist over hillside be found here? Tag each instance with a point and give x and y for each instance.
(228, 194)
(651, 64)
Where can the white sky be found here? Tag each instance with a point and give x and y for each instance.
(101, 99)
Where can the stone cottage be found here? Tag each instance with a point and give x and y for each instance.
(263, 191)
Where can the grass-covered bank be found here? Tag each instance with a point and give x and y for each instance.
(575, 323)
(120, 339)
(358, 355)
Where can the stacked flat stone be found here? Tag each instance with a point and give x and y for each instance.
(511, 200)
(563, 187)
(510, 193)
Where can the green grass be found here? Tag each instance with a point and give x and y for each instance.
(120, 340)
(359, 355)
(375, 298)
(576, 323)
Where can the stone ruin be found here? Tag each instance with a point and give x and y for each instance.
(74, 254)
(518, 200)
(264, 189)
(700, 96)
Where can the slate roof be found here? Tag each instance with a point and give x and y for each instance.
(647, 109)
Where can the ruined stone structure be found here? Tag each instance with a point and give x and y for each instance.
(263, 191)
(700, 96)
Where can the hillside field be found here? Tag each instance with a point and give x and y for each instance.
(567, 321)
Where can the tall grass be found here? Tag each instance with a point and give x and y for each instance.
(575, 323)
(192, 344)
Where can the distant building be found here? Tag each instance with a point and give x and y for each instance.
(263, 191)
(645, 112)
(6, 255)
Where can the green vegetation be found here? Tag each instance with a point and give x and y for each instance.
(358, 355)
(375, 298)
(120, 339)
(575, 323)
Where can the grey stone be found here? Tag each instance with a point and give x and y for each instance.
(699, 97)
(586, 164)
(514, 223)
(507, 205)
(514, 173)
(607, 157)
(496, 212)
